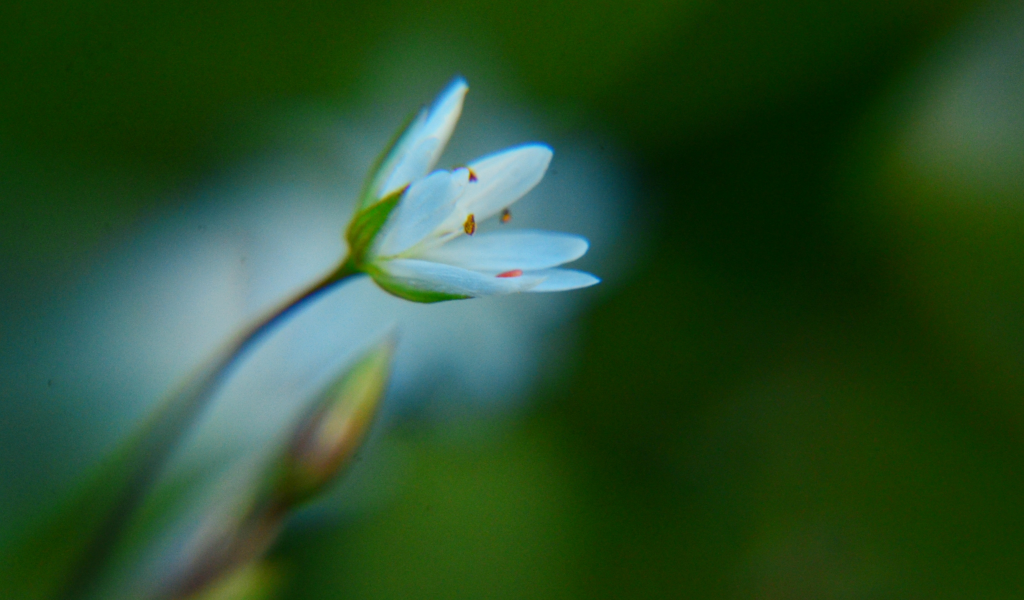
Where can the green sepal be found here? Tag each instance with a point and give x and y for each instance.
(367, 223)
(393, 287)
(368, 195)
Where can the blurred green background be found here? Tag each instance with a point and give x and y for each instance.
(810, 386)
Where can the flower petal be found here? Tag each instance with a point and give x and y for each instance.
(506, 250)
(505, 177)
(415, 163)
(387, 163)
(499, 180)
(427, 276)
(427, 203)
(559, 280)
(444, 114)
(421, 146)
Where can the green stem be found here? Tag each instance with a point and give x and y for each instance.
(159, 435)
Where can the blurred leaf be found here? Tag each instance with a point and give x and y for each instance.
(41, 563)
(940, 197)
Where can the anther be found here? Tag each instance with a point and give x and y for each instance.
(506, 215)
(512, 273)
(470, 225)
(472, 175)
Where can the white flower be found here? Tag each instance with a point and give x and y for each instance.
(140, 314)
(415, 232)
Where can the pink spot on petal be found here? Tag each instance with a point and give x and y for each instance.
(512, 273)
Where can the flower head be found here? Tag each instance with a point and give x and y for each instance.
(415, 231)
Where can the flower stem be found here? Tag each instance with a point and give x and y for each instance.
(155, 440)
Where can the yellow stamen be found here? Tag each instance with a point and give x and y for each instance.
(470, 225)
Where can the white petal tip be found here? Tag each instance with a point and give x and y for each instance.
(457, 84)
(543, 151)
(561, 280)
(450, 99)
(537, 155)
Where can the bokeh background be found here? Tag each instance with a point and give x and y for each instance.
(802, 381)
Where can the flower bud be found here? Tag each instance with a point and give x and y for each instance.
(327, 439)
(252, 580)
(321, 445)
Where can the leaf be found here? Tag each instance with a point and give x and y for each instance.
(42, 563)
